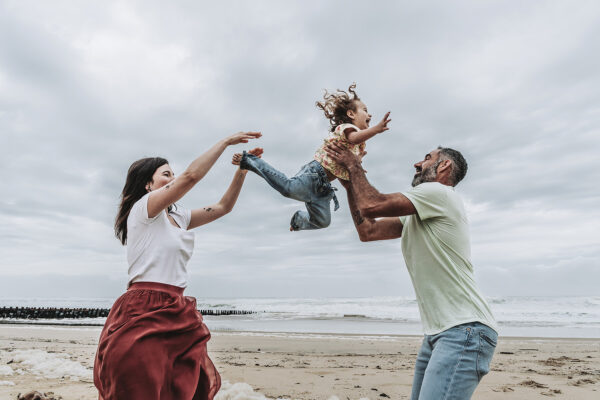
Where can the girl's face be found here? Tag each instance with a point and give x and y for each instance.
(360, 117)
(163, 175)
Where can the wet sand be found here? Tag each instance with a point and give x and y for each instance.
(301, 366)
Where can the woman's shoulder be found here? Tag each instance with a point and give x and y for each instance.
(142, 202)
(139, 210)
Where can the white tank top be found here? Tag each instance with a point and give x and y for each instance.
(158, 251)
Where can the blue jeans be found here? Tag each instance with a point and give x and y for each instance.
(310, 185)
(451, 364)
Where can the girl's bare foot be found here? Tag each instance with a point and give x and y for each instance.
(237, 157)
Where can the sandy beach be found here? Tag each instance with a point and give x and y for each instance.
(305, 366)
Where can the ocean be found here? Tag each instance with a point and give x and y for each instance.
(567, 317)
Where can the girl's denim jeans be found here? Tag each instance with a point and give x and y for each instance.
(310, 185)
(451, 364)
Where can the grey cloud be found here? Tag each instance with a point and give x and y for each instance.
(88, 91)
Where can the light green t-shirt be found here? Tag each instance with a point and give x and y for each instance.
(437, 251)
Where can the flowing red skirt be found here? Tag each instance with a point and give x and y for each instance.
(153, 347)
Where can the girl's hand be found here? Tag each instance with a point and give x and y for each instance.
(237, 157)
(382, 125)
(241, 137)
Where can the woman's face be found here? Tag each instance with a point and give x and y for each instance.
(163, 175)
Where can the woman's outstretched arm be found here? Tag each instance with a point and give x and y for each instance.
(170, 193)
(202, 216)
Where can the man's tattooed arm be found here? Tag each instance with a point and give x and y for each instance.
(358, 219)
(363, 225)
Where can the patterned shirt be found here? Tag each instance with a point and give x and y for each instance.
(327, 162)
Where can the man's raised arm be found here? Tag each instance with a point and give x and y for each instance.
(370, 229)
(368, 200)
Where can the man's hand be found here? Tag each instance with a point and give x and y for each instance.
(237, 157)
(382, 125)
(342, 156)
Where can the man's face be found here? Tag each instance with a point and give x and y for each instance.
(427, 169)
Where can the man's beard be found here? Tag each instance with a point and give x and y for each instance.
(426, 175)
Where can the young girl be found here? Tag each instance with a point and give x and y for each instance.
(349, 121)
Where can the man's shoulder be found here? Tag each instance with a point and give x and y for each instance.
(433, 199)
(429, 189)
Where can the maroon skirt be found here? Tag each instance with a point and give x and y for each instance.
(153, 347)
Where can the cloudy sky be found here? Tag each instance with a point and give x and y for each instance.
(86, 88)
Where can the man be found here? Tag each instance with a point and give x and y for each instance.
(460, 331)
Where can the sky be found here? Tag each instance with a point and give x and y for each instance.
(86, 88)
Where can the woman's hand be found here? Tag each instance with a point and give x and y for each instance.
(237, 157)
(241, 137)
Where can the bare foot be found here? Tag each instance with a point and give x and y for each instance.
(237, 157)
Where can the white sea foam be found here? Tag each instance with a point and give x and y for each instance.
(238, 391)
(6, 370)
(243, 391)
(7, 383)
(50, 365)
(393, 308)
(565, 311)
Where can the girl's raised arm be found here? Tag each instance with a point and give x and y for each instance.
(162, 198)
(356, 137)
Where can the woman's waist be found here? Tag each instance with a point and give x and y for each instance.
(165, 268)
(173, 279)
(157, 287)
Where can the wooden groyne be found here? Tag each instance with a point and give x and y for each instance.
(76, 313)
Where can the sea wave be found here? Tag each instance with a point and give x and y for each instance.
(582, 311)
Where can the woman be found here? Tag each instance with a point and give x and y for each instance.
(153, 345)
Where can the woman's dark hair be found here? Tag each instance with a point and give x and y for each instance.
(336, 105)
(138, 176)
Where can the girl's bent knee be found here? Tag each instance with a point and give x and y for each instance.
(321, 222)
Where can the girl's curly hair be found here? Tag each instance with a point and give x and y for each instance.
(336, 105)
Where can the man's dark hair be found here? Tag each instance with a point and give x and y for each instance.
(459, 164)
